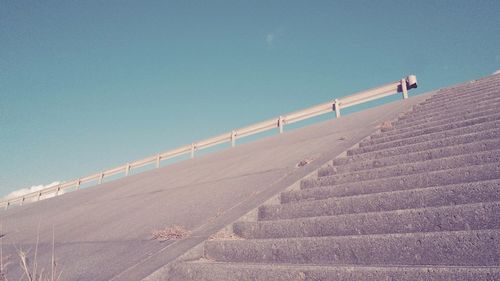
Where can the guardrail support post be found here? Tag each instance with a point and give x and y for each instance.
(337, 108)
(100, 178)
(193, 147)
(127, 169)
(39, 196)
(281, 124)
(58, 189)
(7, 205)
(233, 138)
(404, 89)
(78, 182)
(22, 201)
(158, 160)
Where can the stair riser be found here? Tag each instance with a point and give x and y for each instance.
(243, 272)
(430, 130)
(444, 96)
(438, 153)
(436, 136)
(441, 177)
(468, 86)
(428, 123)
(449, 218)
(385, 200)
(418, 147)
(466, 101)
(409, 123)
(465, 93)
(418, 115)
(477, 248)
(417, 168)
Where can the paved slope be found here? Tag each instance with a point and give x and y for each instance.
(419, 200)
(103, 232)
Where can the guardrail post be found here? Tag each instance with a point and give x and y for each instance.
(233, 138)
(58, 189)
(158, 160)
(39, 196)
(7, 205)
(337, 108)
(78, 182)
(127, 169)
(404, 89)
(100, 178)
(193, 147)
(22, 200)
(280, 124)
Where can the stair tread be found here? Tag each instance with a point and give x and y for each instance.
(481, 215)
(454, 132)
(472, 247)
(413, 157)
(469, 138)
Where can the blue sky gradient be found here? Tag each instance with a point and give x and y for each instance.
(88, 85)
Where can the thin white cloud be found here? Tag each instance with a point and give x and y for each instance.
(273, 36)
(270, 39)
(23, 191)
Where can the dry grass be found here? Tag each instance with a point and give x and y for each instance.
(30, 270)
(386, 125)
(175, 232)
(304, 162)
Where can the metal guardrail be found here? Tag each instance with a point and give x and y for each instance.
(400, 86)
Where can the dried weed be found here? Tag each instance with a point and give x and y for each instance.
(386, 125)
(175, 232)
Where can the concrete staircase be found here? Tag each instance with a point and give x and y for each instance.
(419, 200)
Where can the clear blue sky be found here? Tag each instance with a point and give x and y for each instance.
(87, 85)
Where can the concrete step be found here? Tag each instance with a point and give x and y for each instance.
(419, 112)
(428, 219)
(454, 248)
(471, 85)
(429, 130)
(471, 98)
(470, 138)
(455, 161)
(219, 271)
(435, 136)
(466, 92)
(352, 201)
(443, 120)
(433, 178)
(418, 120)
(424, 155)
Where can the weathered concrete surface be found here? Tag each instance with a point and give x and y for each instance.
(428, 219)
(438, 153)
(373, 214)
(428, 130)
(103, 232)
(479, 132)
(451, 162)
(430, 137)
(417, 197)
(210, 271)
(454, 248)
